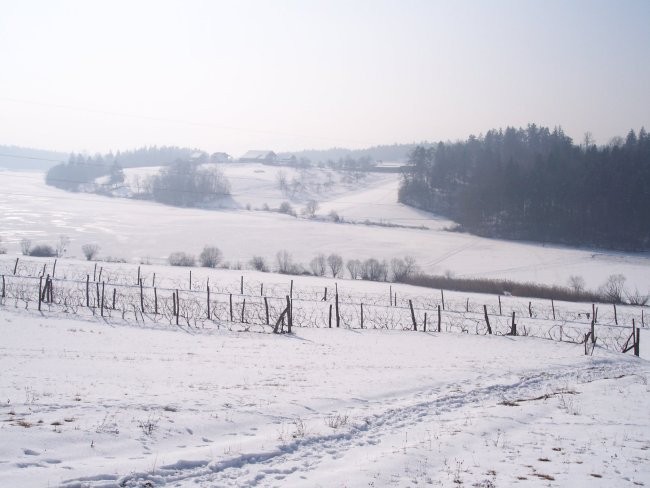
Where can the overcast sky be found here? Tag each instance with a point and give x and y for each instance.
(287, 75)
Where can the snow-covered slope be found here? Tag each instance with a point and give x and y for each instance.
(93, 403)
(137, 230)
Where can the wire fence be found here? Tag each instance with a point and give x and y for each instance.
(254, 306)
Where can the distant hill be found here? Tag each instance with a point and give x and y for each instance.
(23, 158)
(392, 152)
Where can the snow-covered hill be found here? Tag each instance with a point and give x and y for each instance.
(89, 403)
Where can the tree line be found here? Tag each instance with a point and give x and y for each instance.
(536, 183)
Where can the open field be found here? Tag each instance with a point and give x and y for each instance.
(137, 230)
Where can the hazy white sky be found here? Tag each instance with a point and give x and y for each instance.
(287, 75)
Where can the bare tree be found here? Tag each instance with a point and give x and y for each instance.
(310, 208)
(318, 265)
(259, 264)
(90, 250)
(285, 262)
(354, 268)
(25, 246)
(373, 270)
(335, 262)
(614, 288)
(576, 284)
(403, 269)
(181, 259)
(62, 245)
(210, 257)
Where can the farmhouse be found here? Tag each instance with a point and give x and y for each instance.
(267, 157)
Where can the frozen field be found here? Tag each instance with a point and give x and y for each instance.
(138, 230)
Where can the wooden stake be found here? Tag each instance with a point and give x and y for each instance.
(208, 290)
(325, 295)
(266, 306)
(54, 268)
(155, 301)
(442, 295)
(40, 292)
(390, 295)
(415, 324)
(241, 286)
(530, 309)
(553, 307)
(261, 289)
(102, 309)
(439, 319)
(16, 266)
(636, 342)
(178, 306)
(141, 297)
(95, 272)
(467, 305)
(138, 275)
(330, 317)
(487, 319)
(615, 315)
(338, 317)
(243, 314)
(231, 308)
(513, 326)
(190, 280)
(87, 290)
(425, 321)
(289, 314)
(500, 313)
(362, 315)
(3, 288)
(115, 292)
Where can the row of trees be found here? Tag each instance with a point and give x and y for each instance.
(535, 183)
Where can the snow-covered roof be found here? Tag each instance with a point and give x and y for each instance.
(258, 155)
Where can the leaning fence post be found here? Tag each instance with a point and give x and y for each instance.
(16, 266)
(487, 319)
(415, 324)
(615, 315)
(266, 306)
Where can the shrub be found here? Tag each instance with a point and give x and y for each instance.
(576, 283)
(90, 250)
(42, 251)
(354, 268)
(286, 208)
(335, 217)
(181, 259)
(25, 246)
(335, 262)
(285, 262)
(614, 288)
(318, 265)
(373, 270)
(403, 269)
(259, 264)
(210, 257)
(310, 208)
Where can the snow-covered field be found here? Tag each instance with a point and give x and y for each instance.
(110, 403)
(137, 230)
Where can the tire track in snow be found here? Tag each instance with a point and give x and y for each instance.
(300, 455)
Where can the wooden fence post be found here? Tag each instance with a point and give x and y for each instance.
(115, 292)
(40, 292)
(95, 272)
(4, 294)
(442, 295)
(102, 309)
(241, 285)
(87, 290)
(54, 268)
(500, 313)
(261, 289)
(231, 308)
(330, 317)
(325, 295)
(243, 312)
(208, 303)
(636, 341)
(467, 305)
(190, 280)
(553, 307)
(16, 266)
(390, 295)
(415, 324)
(530, 309)
(138, 275)
(487, 319)
(338, 317)
(615, 315)
(289, 313)
(513, 326)
(155, 301)
(425, 321)
(178, 306)
(439, 319)
(141, 297)
(362, 315)
(266, 306)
